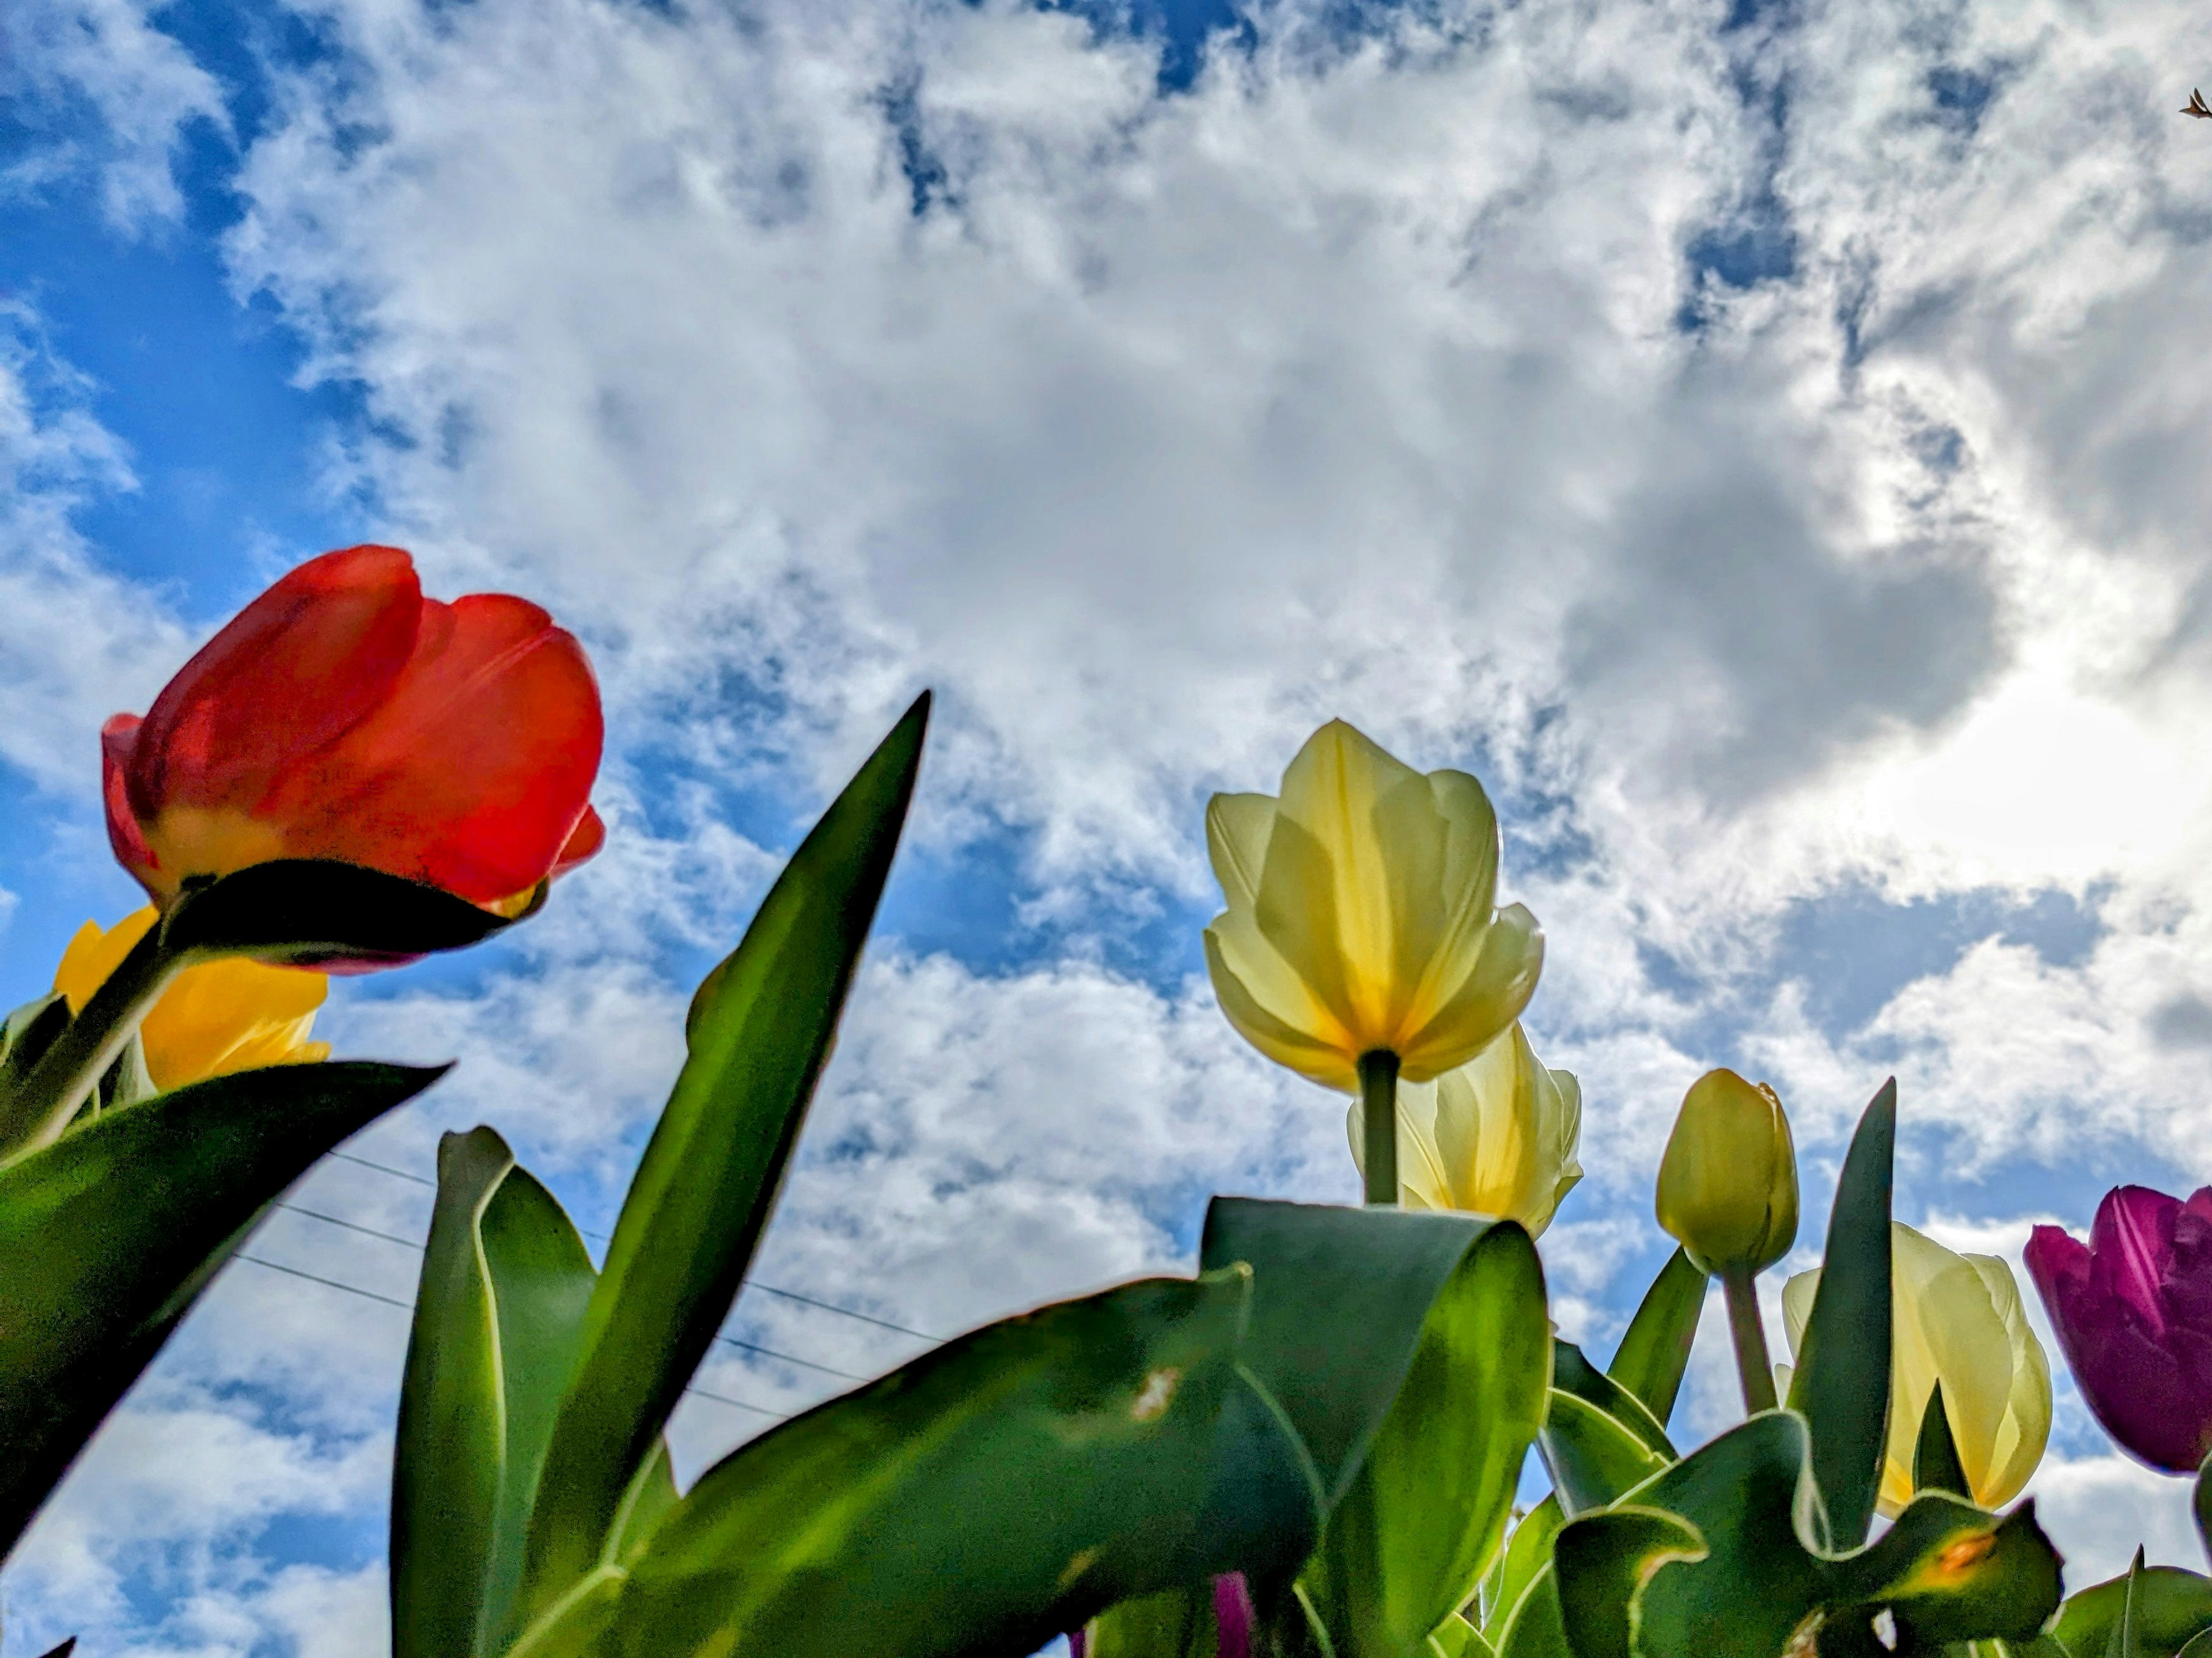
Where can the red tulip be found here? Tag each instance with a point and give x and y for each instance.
(343, 715)
(2133, 1310)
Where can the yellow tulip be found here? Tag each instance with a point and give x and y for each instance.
(1957, 1320)
(1497, 1137)
(1727, 1181)
(1360, 916)
(221, 1016)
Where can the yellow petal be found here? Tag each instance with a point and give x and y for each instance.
(1271, 1007)
(1236, 830)
(1492, 996)
(92, 955)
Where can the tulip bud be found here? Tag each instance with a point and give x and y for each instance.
(1727, 1183)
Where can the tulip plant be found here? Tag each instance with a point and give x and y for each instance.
(1309, 1447)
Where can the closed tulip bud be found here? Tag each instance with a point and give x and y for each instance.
(1956, 1320)
(1360, 916)
(220, 1017)
(1727, 1183)
(2132, 1308)
(1497, 1137)
(341, 715)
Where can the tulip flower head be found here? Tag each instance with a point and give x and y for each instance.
(1360, 916)
(213, 1019)
(343, 715)
(1727, 1182)
(2133, 1312)
(1497, 1137)
(1956, 1320)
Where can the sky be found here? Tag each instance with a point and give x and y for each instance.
(1765, 440)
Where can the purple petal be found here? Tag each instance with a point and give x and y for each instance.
(1079, 1642)
(1232, 1616)
(2132, 1242)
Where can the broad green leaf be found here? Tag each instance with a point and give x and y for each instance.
(1935, 1466)
(1405, 1546)
(1573, 1374)
(1178, 1624)
(306, 910)
(1841, 1384)
(1527, 1551)
(2198, 1645)
(1656, 1351)
(505, 1281)
(1593, 1460)
(111, 1233)
(759, 1033)
(2201, 1506)
(2125, 1641)
(1604, 1560)
(1458, 1638)
(26, 1035)
(1949, 1571)
(1005, 1487)
(2172, 1607)
(1534, 1626)
(1342, 1298)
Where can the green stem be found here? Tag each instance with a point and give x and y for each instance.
(63, 1078)
(1378, 1125)
(1749, 1330)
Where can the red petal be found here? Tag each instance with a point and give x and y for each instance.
(119, 741)
(292, 671)
(584, 841)
(475, 771)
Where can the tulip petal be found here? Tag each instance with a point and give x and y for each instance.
(583, 843)
(2132, 1239)
(1494, 995)
(473, 774)
(1248, 976)
(285, 677)
(1236, 830)
(1464, 899)
(119, 741)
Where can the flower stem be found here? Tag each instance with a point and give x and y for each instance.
(1378, 1125)
(1751, 1363)
(36, 1113)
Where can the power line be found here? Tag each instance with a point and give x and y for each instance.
(749, 1283)
(409, 1307)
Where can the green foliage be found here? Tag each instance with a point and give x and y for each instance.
(1656, 1351)
(1841, 1384)
(1935, 1465)
(2171, 1607)
(303, 911)
(111, 1234)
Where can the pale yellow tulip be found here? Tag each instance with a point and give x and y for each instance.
(1957, 1320)
(221, 1016)
(1497, 1137)
(1727, 1182)
(1360, 916)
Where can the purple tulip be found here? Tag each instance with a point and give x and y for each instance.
(2133, 1309)
(1232, 1618)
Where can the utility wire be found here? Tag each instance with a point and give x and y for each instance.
(749, 1283)
(409, 1307)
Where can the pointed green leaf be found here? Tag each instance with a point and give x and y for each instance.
(1342, 1301)
(1458, 1638)
(1593, 1460)
(1948, 1571)
(1527, 1551)
(2124, 1642)
(2172, 1607)
(1005, 1487)
(1573, 1374)
(308, 910)
(111, 1233)
(1603, 1562)
(1656, 1351)
(759, 1033)
(1405, 1547)
(1935, 1466)
(1841, 1385)
(505, 1282)
(27, 1033)
(2201, 1506)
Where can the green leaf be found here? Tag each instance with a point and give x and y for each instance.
(1342, 1304)
(1179, 1623)
(505, 1281)
(1841, 1385)
(304, 911)
(111, 1233)
(1573, 1374)
(2172, 1607)
(27, 1033)
(1593, 1458)
(1949, 1572)
(1005, 1487)
(1458, 1638)
(1404, 1549)
(1656, 1351)
(1604, 1561)
(759, 1033)
(2124, 1642)
(1935, 1466)
(1527, 1551)
(2201, 1506)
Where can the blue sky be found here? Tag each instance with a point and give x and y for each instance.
(1761, 441)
